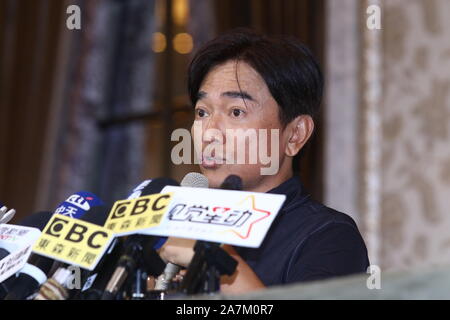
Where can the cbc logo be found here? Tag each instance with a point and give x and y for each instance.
(76, 233)
(139, 206)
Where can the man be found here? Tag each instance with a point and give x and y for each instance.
(243, 80)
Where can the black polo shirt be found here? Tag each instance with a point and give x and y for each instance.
(307, 241)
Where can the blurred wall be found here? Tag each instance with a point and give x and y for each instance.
(416, 125)
(61, 92)
(396, 87)
(28, 55)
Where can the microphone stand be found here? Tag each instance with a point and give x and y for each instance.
(209, 263)
(128, 263)
(138, 289)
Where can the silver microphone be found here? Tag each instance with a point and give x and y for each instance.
(193, 180)
(6, 215)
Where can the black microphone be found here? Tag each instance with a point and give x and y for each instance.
(57, 288)
(97, 215)
(34, 273)
(95, 281)
(232, 182)
(37, 220)
(5, 285)
(210, 261)
(127, 264)
(134, 248)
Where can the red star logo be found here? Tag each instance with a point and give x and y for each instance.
(266, 214)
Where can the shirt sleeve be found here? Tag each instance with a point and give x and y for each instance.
(334, 250)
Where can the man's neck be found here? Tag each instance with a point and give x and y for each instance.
(269, 184)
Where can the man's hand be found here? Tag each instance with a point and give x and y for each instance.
(178, 251)
(243, 280)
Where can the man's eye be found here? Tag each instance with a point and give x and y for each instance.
(200, 113)
(237, 113)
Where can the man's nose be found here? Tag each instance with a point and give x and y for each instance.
(213, 131)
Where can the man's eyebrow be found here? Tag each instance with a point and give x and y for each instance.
(201, 95)
(230, 94)
(238, 94)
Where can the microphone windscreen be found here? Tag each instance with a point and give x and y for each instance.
(3, 253)
(153, 262)
(37, 220)
(97, 215)
(78, 204)
(156, 185)
(232, 182)
(195, 180)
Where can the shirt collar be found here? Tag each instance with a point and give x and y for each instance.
(292, 189)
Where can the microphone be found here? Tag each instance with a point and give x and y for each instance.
(6, 284)
(37, 220)
(97, 215)
(127, 263)
(5, 214)
(193, 180)
(34, 274)
(95, 281)
(232, 182)
(164, 280)
(6, 249)
(134, 247)
(78, 204)
(56, 288)
(210, 261)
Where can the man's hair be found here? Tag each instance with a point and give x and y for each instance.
(288, 68)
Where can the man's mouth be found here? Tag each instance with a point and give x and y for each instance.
(211, 161)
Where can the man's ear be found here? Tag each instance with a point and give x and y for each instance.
(298, 132)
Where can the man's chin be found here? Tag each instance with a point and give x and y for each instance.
(215, 177)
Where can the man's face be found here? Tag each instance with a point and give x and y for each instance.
(234, 96)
